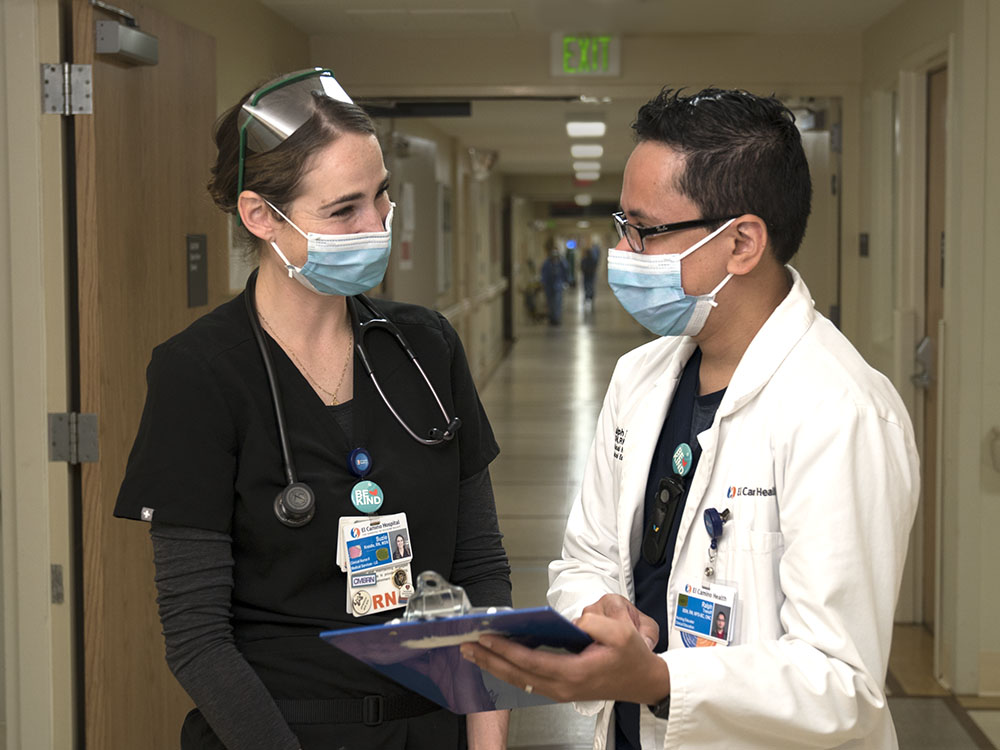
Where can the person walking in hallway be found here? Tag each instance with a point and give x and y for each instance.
(554, 279)
(589, 261)
(747, 461)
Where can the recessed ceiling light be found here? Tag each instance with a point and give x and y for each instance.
(583, 199)
(587, 150)
(586, 166)
(587, 176)
(585, 129)
(583, 224)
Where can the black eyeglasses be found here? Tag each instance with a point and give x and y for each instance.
(636, 235)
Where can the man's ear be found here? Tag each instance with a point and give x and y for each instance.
(256, 215)
(750, 244)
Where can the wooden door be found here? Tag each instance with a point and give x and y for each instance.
(141, 163)
(937, 110)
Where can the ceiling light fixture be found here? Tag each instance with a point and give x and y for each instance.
(586, 166)
(588, 176)
(585, 129)
(583, 199)
(587, 150)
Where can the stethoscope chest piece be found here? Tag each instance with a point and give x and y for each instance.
(295, 505)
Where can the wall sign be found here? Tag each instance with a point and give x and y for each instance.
(585, 54)
(197, 270)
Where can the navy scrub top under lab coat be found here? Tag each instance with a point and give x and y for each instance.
(207, 456)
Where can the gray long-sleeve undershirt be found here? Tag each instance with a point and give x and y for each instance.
(194, 582)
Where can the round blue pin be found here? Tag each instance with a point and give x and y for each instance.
(367, 497)
(360, 462)
(682, 459)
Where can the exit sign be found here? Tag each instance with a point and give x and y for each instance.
(585, 54)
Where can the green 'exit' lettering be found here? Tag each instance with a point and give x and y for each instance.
(585, 54)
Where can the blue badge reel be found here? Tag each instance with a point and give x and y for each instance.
(360, 462)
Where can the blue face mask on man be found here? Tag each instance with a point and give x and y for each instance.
(343, 264)
(649, 288)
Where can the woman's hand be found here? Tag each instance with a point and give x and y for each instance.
(619, 665)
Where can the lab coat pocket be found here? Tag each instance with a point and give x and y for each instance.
(758, 542)
(752, 566)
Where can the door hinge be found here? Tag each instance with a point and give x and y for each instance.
(67, 89)
(73, 438)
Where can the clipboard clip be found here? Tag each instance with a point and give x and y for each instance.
(434, 598)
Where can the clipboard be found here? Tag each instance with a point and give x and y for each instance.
(421, 650)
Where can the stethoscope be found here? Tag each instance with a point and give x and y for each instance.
(295, 505)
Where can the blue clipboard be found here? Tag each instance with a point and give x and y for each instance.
(423, 654)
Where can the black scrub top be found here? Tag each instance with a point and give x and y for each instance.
(207, 455)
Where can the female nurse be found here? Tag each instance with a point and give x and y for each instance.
(266, 444)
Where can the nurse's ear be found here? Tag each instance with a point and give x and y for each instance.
(257, 216)
(749, 233)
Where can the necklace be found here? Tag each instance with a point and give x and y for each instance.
(312, 381)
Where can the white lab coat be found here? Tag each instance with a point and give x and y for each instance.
(817, 564)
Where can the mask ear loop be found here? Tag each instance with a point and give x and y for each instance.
(711, 294)
(710, 297)
(703, 240)
(288, 266)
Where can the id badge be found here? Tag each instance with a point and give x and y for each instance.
(375, 553)
(705, 614)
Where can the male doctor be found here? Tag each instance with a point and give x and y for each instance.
(747, 459)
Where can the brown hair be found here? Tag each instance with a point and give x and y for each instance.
(277, 174)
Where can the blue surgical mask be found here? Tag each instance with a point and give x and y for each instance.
(649, 288)
(343, 264)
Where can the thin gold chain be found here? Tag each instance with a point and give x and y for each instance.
(310, 378)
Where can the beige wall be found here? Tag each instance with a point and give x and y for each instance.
(517, 65)
(901, 46)
(473, 303)
(989, 453)
(252, 43)
(905, 37)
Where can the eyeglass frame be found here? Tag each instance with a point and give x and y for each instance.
(621, 225)
(259, 94)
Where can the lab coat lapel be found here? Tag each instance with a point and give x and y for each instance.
(773, 342)
(644, 422)
(776, 338)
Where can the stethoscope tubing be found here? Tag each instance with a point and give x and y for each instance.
(272, 379)
(381, 321)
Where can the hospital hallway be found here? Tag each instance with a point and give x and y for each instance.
(543, 401)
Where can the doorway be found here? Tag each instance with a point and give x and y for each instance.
(140, 165)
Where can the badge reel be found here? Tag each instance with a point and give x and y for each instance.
(714, 523)
(705, 614)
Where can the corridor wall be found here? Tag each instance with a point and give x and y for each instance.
(965, 36)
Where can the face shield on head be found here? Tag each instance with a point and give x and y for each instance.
(280, 107)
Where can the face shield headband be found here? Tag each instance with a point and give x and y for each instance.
(280, 107)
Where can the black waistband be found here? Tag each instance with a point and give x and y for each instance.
(370, 710)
